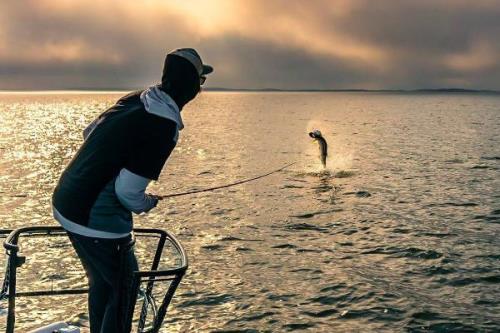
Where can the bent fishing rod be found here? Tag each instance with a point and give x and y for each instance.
(161, 197)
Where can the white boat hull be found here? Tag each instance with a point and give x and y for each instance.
(59, 327)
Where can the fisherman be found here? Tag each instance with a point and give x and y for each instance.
(124, 149)
(323, 146)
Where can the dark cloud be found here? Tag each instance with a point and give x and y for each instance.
(435, 26)
(258, 64)
(113, 47)
(273, 43)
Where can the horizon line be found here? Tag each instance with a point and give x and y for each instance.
(222, 89)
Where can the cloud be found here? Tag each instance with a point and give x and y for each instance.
(57, 44)
(263, 64)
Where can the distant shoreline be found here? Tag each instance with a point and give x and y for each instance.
(438, 90)
(221, 89)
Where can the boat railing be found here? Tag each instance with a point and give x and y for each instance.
(142, 285)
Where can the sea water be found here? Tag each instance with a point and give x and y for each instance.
(399, 233)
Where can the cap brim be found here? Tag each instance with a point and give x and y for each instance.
(207, 69)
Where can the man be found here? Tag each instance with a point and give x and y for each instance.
(124, 149)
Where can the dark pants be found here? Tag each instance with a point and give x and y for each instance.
(109, 264)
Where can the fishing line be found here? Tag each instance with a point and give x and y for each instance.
(227, 185)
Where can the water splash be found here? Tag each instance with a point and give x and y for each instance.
(338, 164)
(339, 161)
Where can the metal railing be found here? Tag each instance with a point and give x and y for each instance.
(149, 278)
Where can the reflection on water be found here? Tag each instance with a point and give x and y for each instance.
(400, 232)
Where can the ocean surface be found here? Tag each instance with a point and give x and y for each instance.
(401, 233)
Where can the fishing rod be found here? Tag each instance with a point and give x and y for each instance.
(226, 185)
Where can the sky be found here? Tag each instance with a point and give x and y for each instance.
(285, 44)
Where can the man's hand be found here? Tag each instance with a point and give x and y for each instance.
(154, 196)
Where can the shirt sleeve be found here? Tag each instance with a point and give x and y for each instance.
(149, 151)
(130, 188)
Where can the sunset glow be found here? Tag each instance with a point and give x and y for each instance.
(252, 44)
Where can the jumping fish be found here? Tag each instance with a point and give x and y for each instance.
(323, 146)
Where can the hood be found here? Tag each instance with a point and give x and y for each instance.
(157, 102)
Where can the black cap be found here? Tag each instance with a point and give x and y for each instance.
(194, 58)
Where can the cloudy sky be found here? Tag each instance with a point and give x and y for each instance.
(326, 44)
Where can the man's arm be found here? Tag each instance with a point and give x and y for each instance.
(149, 149)
(130, 189)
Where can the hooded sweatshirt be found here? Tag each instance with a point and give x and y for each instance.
(124, 149)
